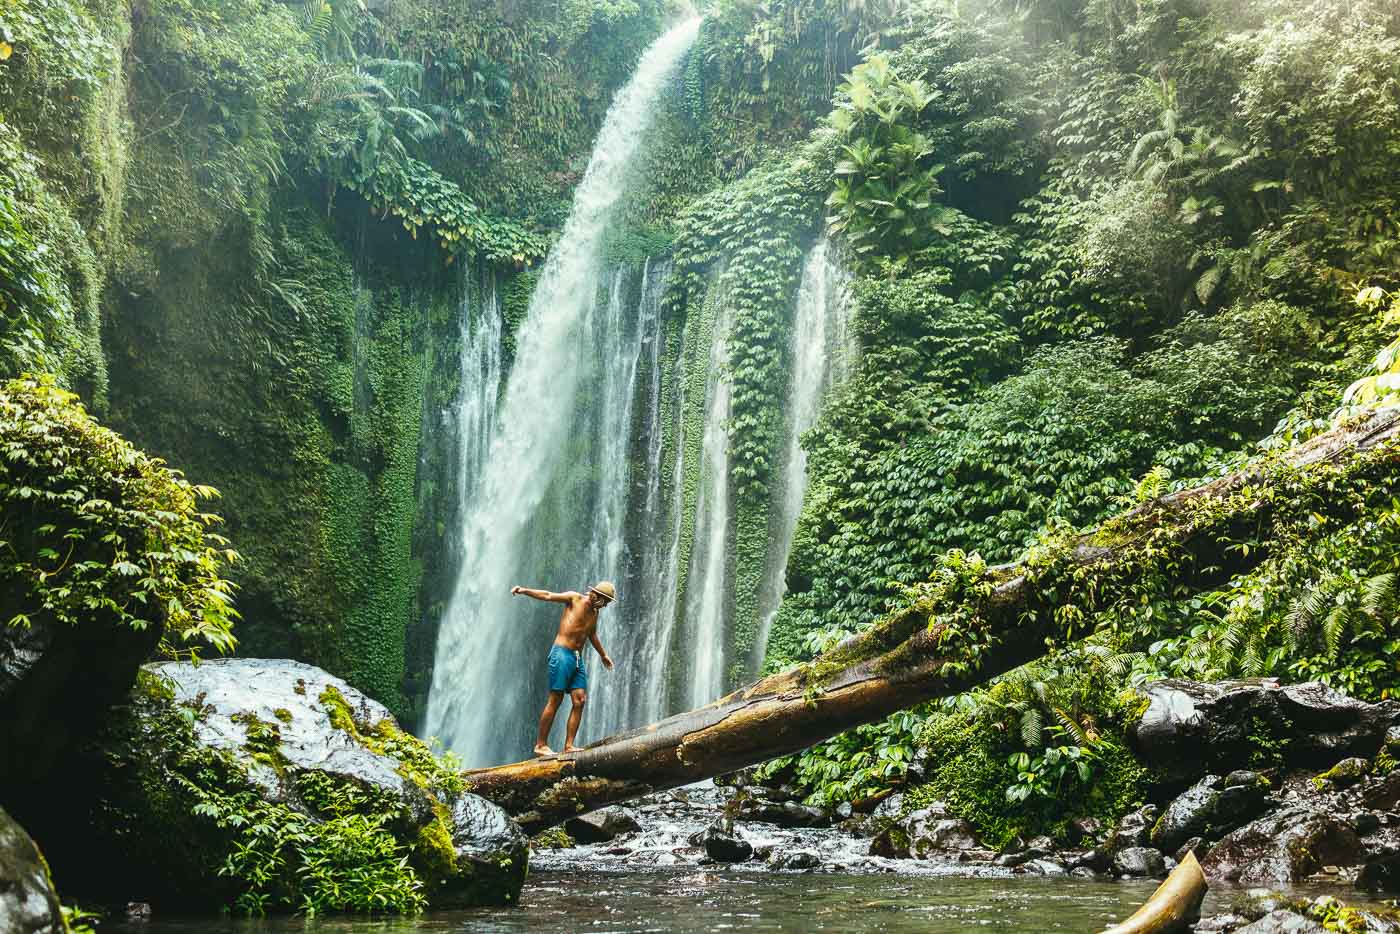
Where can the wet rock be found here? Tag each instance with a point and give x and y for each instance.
(1346, 773)
(1225, 923)
(1138, 862)
(1038, 848)
(785, 814)
(725, 846)
(843, 811)
(888, 807)
(1084, 831)
(925, 834)
(1190, 727)
(491, 856)
(1043, 867)
(1083, 872)
(1098, 861)
(795, 860)
(603, 825)
(290, 734)
(1195, 845)
(1134, 829)
(1284, 846)
(1245, 778)
(1189, 815)
(1382, 794)
(1281, 921)
(28, 902)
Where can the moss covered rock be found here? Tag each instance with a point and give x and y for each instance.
(271, 785)
(28, 903)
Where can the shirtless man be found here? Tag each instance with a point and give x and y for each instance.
(578, 622)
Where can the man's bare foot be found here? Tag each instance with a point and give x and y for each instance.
(542, 750)
(570, 747)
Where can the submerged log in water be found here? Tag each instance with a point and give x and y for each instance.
(973, 622)
(1175, 905)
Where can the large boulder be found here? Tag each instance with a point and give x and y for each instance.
(1210, 808)
(1191, 728)
(28, 903)
(1284, 846)
(212, 767)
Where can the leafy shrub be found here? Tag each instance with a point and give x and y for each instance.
(94, 532)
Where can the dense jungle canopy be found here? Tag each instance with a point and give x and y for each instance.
(1094, 253)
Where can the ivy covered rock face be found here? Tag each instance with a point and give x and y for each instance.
(270, 785)
(28, 903)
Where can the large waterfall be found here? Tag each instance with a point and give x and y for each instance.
(547, 507)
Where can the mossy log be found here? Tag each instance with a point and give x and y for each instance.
(1173, 907)
(974, 622)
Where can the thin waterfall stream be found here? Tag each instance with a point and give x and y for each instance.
(822, 353)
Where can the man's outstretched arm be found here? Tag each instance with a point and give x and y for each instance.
(546, 595)
(598, 646)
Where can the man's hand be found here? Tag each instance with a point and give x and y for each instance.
(607, 662)
(516, 591)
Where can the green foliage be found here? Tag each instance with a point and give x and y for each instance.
(853, 765)
(94, 530)
(1008, 780)
(413, 191)
(340, 857)
(886, 186)
(756, 227)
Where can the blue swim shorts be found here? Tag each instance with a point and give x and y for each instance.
(566, 669)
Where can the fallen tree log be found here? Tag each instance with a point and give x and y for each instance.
(1173, 907)
(971, 622)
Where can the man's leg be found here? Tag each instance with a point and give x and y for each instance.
(579, 697)
(551, 707)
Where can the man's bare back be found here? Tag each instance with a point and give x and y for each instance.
(578, 623)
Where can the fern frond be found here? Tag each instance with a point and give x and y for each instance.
(1072, 727)
(1379, 596)
(1334, 627)
(1031, 728)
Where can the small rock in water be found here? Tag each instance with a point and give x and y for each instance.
(796, 859)
(725, 847)
(1282, 921)
(602, 825)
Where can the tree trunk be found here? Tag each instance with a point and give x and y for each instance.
(973, 622)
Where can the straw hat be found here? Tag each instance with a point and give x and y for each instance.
(604, 589)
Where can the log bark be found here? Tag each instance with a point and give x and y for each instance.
(969, 626)
(1173, 907)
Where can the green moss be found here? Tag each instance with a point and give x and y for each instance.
(433, 853)
(417, 763)
(264, 740)
(554, 838)
(283, 714)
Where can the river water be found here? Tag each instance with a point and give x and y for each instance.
(716, 900)
(657, 880)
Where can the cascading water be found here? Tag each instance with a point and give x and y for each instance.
(475, 409)
(633, 694)
(707, 588)
(821, 352)
(540, 514)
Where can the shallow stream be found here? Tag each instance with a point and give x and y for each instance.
(657, 881)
